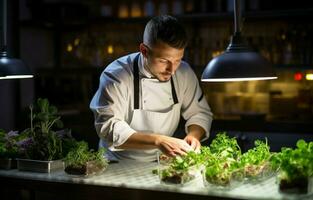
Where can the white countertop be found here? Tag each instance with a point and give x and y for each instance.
(138, 175)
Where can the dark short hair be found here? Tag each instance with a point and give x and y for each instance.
(166, 29)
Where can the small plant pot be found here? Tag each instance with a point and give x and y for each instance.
(39, 165)
(169, 176)
(224, 180)
(296, 186)
(257, 173)
(89, 169)
(8, 163)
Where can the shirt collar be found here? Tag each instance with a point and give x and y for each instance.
(142, 69)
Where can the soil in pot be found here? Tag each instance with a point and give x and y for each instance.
(90, 168)
(297, 186)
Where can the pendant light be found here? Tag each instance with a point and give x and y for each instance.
(239, 62)
(10, 68)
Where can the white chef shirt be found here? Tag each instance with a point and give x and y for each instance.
(113, 102)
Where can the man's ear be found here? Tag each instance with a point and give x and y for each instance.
(143, 49)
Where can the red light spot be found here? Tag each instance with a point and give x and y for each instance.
(298, 76)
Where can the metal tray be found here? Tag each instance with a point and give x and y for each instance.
(7, 163)
(39, 165)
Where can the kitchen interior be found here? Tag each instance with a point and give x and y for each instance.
(68, 43)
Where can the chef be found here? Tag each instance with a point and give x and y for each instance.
(141, 97)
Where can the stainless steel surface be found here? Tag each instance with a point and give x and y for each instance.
(7, 163)
(138, 175)
(39, 166)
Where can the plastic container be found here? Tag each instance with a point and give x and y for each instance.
(91, 168)
(169, 175)
(224, 180)
(257, 173)
(301, 186)
(8, 163)
(39, 165)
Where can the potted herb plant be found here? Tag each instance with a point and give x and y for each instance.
(179, 169)
(9, 150)
(221, 161)
(45, 147)
(222, 174)
(295, 168)
(84, 162)
(256, 161)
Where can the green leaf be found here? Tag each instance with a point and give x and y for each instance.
(43, 117)
(59, 124)
(53, 110)
(301, 144)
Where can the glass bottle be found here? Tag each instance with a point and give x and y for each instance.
(123, 11)
(149, 8)
(163, 8)
(135, 9)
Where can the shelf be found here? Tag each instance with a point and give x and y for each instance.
(49, 25)
(294, 67)
(291, 14)
(295, 14)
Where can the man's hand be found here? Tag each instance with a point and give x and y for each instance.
(172, 146)
(195, 134)
(193, 142)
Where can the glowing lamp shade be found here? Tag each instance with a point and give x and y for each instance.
(237, 65)
(10, 68)
(238, 62)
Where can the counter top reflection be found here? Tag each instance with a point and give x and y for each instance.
(128, 180)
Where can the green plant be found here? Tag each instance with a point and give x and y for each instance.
(9, 144)
(256, 160)
(80, 154)
(216, 173)
(295, 167)
(225, 147)
(180, 169)
(44, 143)
(295, 163)
(221, 160)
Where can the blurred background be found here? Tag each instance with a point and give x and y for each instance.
(68, 43)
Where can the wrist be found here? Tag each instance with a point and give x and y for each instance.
(196, 132)
(157, 140)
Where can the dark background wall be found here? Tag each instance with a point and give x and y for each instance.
(41, 31)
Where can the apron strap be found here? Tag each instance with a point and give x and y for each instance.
(136, 85)
(174, 92)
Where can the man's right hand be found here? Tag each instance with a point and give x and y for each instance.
(172, 146)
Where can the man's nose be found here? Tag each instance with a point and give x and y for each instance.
(170, 67)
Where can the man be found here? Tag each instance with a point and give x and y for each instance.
(142, 95)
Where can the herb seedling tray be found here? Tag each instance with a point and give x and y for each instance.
(39, 165)
(91, 168)
(7, 163)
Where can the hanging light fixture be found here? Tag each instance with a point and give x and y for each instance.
(239, 62)
(10, 68)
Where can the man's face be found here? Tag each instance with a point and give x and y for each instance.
(162, 60)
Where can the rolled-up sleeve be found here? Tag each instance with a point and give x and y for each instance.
(110, 106)
(195, 108)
